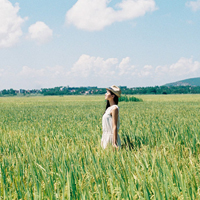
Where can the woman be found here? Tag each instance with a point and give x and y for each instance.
(110, 120)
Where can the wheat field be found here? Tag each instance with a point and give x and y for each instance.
(50, 148)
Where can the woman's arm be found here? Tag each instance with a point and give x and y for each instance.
(114, 113)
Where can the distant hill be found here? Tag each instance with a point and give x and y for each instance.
(186, 82)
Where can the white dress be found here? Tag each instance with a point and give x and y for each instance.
(107, 137)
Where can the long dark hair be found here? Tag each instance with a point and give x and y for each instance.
(115, 100)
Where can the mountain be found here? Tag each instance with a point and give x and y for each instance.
(186, 82)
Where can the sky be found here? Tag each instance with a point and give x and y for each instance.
(134, 43)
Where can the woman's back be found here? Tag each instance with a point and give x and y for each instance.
(107, 125)
(107, 120)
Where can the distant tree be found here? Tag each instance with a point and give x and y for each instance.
(4, 92)
(12, 92)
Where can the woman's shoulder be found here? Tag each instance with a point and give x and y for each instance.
(114, 107)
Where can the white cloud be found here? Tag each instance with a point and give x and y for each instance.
(10, 24)
(125, 67)
(90, 71)
(93, 15)
(94, 66)
(146, 71)
(185, 66)
(29, 72)
(40, 32)
(194, 5)
(48, 72)
(182, 67)
(29, 77)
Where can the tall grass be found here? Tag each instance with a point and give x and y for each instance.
(50, 149)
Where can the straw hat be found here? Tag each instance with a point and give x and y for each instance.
(114, 89)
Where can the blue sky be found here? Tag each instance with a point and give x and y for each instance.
(98, 42)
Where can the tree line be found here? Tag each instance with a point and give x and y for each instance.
(96, 91)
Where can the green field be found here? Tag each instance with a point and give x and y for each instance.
(50, 149)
